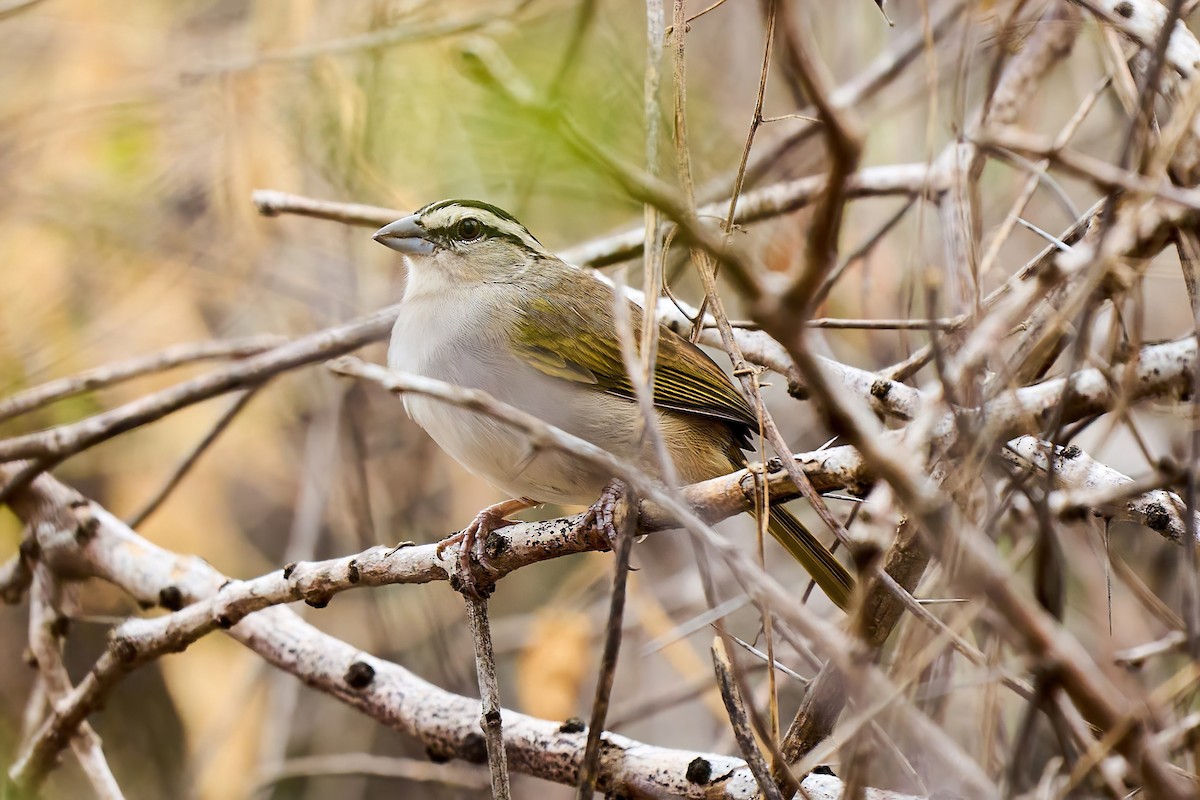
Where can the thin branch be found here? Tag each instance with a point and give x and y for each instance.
(762, 204)
(375, 40)
(1157, 509)
(843, 141)
(63, 441)
(626, 526)
(409, 769)
(102, 377)
(489, 692)
(45, 632)
(738, 719)
(272, 203)
(11, 8)
(185, 466)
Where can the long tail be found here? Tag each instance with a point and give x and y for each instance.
(826, 570)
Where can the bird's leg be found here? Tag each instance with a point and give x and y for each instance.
(486, 521)
(601, 517)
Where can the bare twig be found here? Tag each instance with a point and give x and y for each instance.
(103, 377)
(185, 466)
(409, 769)
(271, 203)
(625, 524)
(59, 443)
(736, 709)
(388, 37)
(11, 8)
(762, 204)
(1157, 509)
(489, 692)
(45, 635)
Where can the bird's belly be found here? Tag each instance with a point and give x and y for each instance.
(503, 456)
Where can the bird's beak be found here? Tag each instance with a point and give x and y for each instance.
(405, 236)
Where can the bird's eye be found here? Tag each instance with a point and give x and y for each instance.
(468, 230)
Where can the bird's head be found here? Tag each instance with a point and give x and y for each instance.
(459, 242)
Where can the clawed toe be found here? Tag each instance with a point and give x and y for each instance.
(601, 517)
(472, 577)
(469, 578)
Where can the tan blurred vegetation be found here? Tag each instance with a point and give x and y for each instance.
(131, 136)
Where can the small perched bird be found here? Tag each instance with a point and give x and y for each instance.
(487, 307)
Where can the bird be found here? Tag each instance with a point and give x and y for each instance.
(486, 306)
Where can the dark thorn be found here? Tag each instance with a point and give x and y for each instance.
(360, 675)
(170, 598)
(573, 725)
(1157, 519)
(823, 769)
(87, 529)
(318, 600)
(352, 573)
(224, 622)
(699, 771)
(288, 569)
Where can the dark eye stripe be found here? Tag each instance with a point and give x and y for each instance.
(495, 233)
(490, 209)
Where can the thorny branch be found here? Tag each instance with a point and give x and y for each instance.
(988, 420)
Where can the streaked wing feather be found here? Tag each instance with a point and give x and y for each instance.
(685, 378)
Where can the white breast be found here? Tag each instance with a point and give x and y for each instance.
(446, 338)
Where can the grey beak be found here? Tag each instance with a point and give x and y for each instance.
(405, 236)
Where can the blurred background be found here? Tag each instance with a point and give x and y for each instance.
(131, 137)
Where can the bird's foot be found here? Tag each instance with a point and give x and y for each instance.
(602, 516)
(472, 577)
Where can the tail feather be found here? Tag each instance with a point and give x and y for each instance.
(833, 578)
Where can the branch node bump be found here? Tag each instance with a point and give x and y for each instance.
(699, 771)
(573, 725)
(317, 600)
(170, 598)
(360, 675)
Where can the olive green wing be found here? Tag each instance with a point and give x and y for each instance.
(584, 348)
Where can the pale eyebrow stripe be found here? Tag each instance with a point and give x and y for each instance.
(444, 216)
